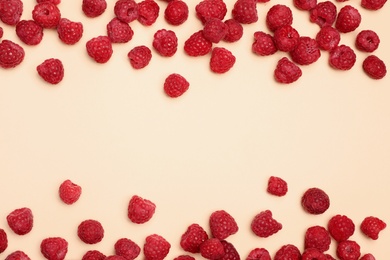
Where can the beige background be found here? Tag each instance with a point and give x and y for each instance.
(112, 130)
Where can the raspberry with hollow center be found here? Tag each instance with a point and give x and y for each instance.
(306, 51)
(99, 49)
(54, 248)
(278, 15)
(21, 220)
(175, 85)
(118, 31)
(69, 191)
(139, 56)
(348, 19)
(148, 11)
(315, 201)
(222, 60)
(11, 11)
(90, 231)
(341, 227)
(165, 42)
(192, 238)
(222, 224)
(11, 54)
(176, 12)
(52, 71)
(46, 14)
(29, 32)
(126, 10)
(156, 247)
(324, 13)
(374, 67)
(69, 32)
(367, 40)
(94, 8)
(286, 38)
(263, 44)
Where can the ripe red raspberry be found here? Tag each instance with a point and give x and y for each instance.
(99, 48)
(192, 238)
(90, 231)
(373, 4)
(197, 45)
(317, 237)
(263, 44)
(46, 14)
(29, 32)
(127, 248)
(212, 249)
(148, 11)
(313, 254)
(305, 5)
(3, 240)
(94, 8)
(367, 40)
(11, 54)
(20, 220)
(245, 11)
(18, 255)
(165, 42)
(286, 38)
(222, 224)
(367, 257)
(69, 32)
(342, 57)
(328, 38)
(139, 56)
(315, 201)
(277, 16)
(69, 192)
(93, 255)
(118, 31)
(341, 227)
(1, 32)
(324, 13)
(56, 2)
(206, 9)
(264, 225)
(277, 186)
(176, 12)
(286, 71)
(231, 252)
(371, 226)
(222, 60)
(184, 257)
(348, 19)
(11, 11)
(348, 250)
(288, 251)
(259, 254)
(175, 85)
(215, 30)
(234, 31)
(374, 67)
(52, 71)
(306, 52)
(329, 257)
(54, 248)
(140, 210)
(126, 10)
(156, 247)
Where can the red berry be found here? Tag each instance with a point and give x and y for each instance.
(305, 5)
(306, 51)
(3, 240)
(372, 226)
(286, 38)
(342, 57)
(175, 85)
(348, 250)
(374, 67)
(90, 231)
(127, 248)
(94, 8)
(176, 12)
(324, 13)
(313, 254)
(264, 225)
(263, 44)
(56, 2)
(140, 210)
(329, 257)
(328, 38)
(99, 48)
(11, 54)
(234, 31)
(341, 227)
(126, 10)
(156, 247)
(29, 32)
(289, 251)
(139, 56)
(286, 71)
(197, 45)
(259, 254)
(367, 257)
(192, 238)
(114, 257)
(11, 11)
(17, 255)
(348, 19)
(165, 42)
(46, 14)
(315, 201)
(118, 31)
(69, 192)
(317, 237)
(367, 40)
(52, 71)
(277, 16)
(222, 60)
(206, 9)
(54, 248)
(1, 32)
(212, 249)
(214, 30)
(245, 11)
(20, 221)
(231, 252)
(148, 11)
(93, 255)
(184, 257)
(373, 4)
(69, 32)
(277, 186)
(222, 224)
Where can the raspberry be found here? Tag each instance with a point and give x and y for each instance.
(192, 238)
(56, 2)
(69, 192)
(175, 85)
(1, 32)
(264, 225)
(327, 38)
(374, 67)
(46, 15)
(315, 201)
(206, 9)
(156, 247)
(29, 32)
(277, 186)
(54, 248)
(306, 52)
(176, 12)
(348, 19)
(234, 31)
(20, 221)
(329, 257)
(69, 32)
(324, 13)
(118, 31)
(140, 210)
(342, 57)
(212, 249)
(263, 44)
(94, 8)
(341, 227)
(367, 257)
(127, 248)
(11, 11)
(184, 257)
(373, 4)
(371, 226)
(286, 38)
(99, 48)
(11, 54)
(126, 10)
(231, 252)
(3, 240)
(139, 56)
(259, 254)
(305, 5)
(114, 257)
(348, 250)
(222, 60)
(215, 30)
(52, 71)
(165, 42)
(222, 224)
(277, 16)
(367, 40)
(90, 231)
(148, 11)
(197, 45)
(317, 237)
(93, 255)
(17, 255)
(245, 11)
(288, 251)
(313, 254)
(286, 71)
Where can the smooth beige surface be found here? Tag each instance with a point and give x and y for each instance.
(112, 130)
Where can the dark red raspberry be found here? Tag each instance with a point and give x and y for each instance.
(328, 38)
(20, 220)
(206, 9)
(374, 67)
(317, 237)
(1, 32)
(127, 248)
(286, 38)
(156, 247)
(3, 240)
(245, 11)
(368, 257)
(342, 57)
(278, 15)
(289, 251)
(264, 225)
(315, 201)
(286, 71)
(235, 30)
(18, 255)
(184, 257)
(139, 56)
(99, 48)
(140, 210)
(222, 224)
(46, 14)
(231, 252)
(373, 4)
(69, 191)
(94, 8)
(324, 13)
(348, 250)
(197, 45)
(222, 60)
(341, 227)
(56, 2)
(313, 254)
(367, 40)
(69, 32)
(192, 238)
(306, 51)
(114, 257)
(29, 32)
(277, 186)
(263, 44)
(165, 42)
(176, 12)
(126, 10)
(90, 231)
(372, 226)
(259, 254)
(54, 248)
(215, 30)
(11, 11)
(212, 249)
(52, 71)
(175, 85)
(11, 54)
(305, 5)
(329, 257)
(348, 19)
(93, 255)
(148, 11)
(118, 31)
